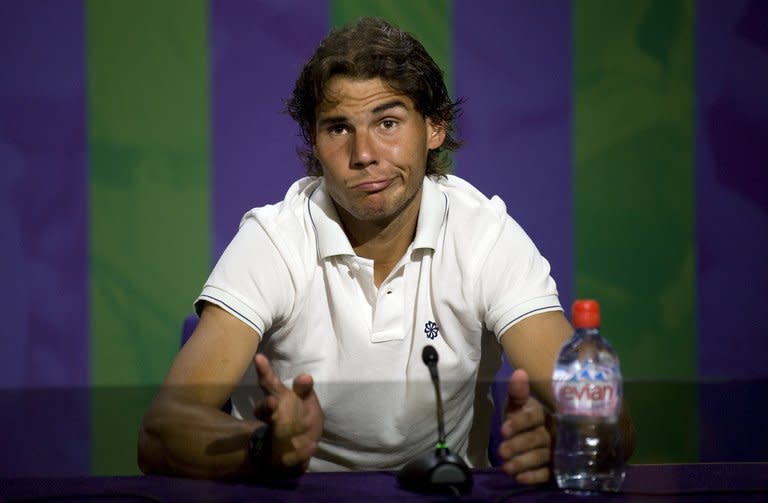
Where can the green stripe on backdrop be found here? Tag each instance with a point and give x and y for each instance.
(431, 22)
(634, 203)
(149, 204)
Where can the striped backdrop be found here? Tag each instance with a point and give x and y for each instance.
(628, 138)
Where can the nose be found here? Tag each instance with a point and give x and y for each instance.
(363, 150)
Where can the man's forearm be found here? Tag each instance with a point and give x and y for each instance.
(183, 439)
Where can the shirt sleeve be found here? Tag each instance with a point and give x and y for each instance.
(515, 280)
(251, 280)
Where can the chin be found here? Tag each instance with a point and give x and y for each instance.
(373, 210)
(369, 214)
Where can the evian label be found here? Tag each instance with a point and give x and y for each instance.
(589, 391)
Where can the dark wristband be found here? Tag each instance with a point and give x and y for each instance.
(260, 447)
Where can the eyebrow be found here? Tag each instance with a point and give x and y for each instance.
(340, 119)
(388, 105)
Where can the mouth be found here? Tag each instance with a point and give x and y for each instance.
(372, 186)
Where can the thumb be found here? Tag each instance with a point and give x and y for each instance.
(518, 390)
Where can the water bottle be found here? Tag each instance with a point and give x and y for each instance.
(588, 392)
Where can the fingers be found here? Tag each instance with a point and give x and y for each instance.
(526, 450)
(271, 383)
(303, 386)
(527, 456)
(268, 380)
(294, 414)
(537, 476)
(529, 416)
(302, 448)
(534, 459)
(522, 443)
(295, 442)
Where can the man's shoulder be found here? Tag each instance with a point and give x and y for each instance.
(291, 208)
(472, 222)
(467, 204)
(285, 223)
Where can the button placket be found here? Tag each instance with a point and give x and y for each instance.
(387, 313)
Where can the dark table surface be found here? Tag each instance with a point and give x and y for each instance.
(674, 482)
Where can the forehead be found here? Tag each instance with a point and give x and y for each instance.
(346, 93)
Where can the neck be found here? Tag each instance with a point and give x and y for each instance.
(384, 241)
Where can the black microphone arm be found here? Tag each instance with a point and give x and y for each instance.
(429, 356)
(438, 470)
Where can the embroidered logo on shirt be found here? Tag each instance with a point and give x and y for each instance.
(431, 329)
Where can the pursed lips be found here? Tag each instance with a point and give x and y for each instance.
(372, 185)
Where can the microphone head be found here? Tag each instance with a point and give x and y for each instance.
(429, 355)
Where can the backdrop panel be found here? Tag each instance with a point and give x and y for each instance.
(149, 195)
(257, 52)
(431, 22)
(634, 199)
(517, 117)
(44, 348)
(732, 187)
(732, 223)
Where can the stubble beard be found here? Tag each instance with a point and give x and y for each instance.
(387, 212)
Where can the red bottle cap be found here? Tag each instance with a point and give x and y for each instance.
(586, 313)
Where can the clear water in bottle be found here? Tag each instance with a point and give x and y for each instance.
(588, 392)
(588, 456)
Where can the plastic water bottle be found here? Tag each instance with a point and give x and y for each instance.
(588, 393)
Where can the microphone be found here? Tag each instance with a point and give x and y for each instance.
(439, 470)
(429, 357)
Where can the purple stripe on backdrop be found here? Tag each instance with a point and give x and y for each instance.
(732, 187)
(257, 51)
(44, 234)
(512, 63)
(732, 223)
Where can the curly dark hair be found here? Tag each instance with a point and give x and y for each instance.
(373, 48)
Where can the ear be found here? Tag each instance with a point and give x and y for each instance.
(435, 135)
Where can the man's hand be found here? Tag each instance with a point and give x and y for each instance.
(294, 415)
(525, 450)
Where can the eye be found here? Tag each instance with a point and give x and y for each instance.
(388, 124)
(337, 129)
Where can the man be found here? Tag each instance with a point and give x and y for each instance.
(341, 285)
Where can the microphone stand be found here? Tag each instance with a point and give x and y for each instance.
(439, 470)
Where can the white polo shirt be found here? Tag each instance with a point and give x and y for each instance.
(470, 273)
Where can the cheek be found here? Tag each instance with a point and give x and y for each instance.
(395, 151)
(332, 181)
(327, 148)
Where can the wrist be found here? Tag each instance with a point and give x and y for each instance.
(260, 447)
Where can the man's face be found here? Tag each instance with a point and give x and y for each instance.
(372, 145)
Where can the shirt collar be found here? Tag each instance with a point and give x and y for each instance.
(432, 213)
(332, 240)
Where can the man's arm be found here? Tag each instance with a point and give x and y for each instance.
(532, 346)
(185, 433)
